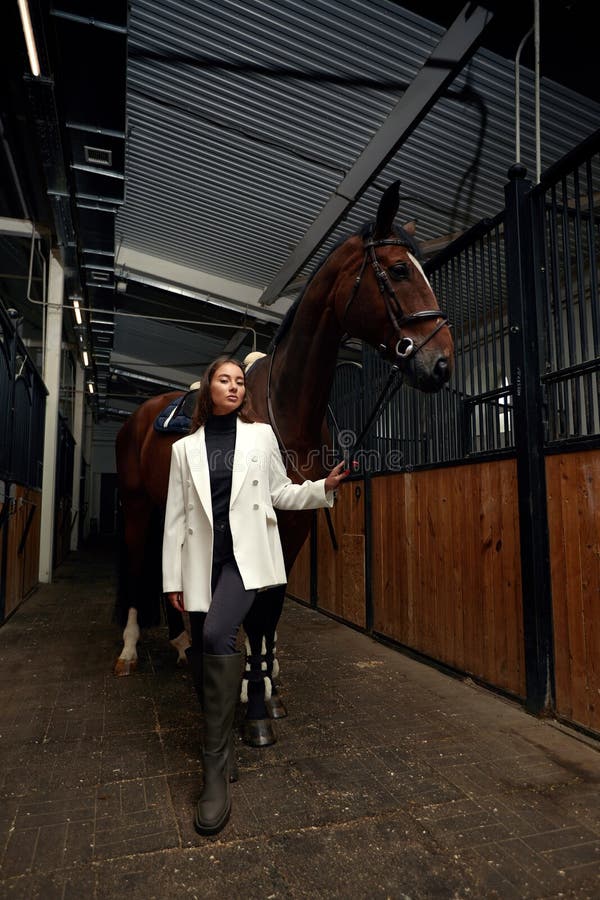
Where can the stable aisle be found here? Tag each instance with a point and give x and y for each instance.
(389, 779)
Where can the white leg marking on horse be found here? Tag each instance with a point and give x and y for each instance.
(131, 636)
(181, 643)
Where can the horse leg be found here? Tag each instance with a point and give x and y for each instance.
(178, 636)
(258, 689)
(136, 512)
(126, 664)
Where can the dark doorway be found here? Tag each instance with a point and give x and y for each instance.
(108, 503)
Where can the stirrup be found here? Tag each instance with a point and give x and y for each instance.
(258, 732)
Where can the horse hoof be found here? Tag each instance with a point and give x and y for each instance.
(258, 732)
(276, 707)
(125, 667)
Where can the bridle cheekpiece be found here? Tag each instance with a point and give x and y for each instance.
(406, 347)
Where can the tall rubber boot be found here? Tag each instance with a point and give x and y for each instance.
(194, 658)
(195, 665)
(221, 681)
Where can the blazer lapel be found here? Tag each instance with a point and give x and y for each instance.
(240, 465)
(195, 451)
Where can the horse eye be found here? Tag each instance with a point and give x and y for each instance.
(399, 272)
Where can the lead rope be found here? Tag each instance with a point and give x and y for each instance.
(394, 376)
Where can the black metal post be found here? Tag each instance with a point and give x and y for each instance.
(369, 612)
(529, 442)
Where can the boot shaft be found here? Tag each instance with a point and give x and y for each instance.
(220, 688)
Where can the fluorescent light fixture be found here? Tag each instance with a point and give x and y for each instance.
(90, 387)
(86, 359)
(77, 311)
(29, 38)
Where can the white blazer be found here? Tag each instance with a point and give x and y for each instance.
(259, 482)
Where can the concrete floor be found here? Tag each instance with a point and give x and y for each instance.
(389, 779)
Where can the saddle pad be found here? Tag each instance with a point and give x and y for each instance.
(176, 417)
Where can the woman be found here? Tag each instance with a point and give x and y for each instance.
(221, 544)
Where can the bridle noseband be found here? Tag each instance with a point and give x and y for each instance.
(406, 347)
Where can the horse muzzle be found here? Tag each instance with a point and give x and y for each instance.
(429, 372)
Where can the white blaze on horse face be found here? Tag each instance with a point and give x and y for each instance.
(419, 268)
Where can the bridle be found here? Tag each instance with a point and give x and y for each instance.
(406, 347)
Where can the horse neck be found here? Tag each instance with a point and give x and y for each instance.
(304, 365)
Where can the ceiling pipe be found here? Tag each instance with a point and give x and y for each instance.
(538, 139)
(518, 95)
(535, 30)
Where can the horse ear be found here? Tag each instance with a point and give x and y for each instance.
(388, 207)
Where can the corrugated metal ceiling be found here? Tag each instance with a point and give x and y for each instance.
(244, 116)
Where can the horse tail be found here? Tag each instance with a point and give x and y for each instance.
(140, 586)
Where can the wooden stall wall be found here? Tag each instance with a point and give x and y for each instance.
(446, 568)
(573, 488)
(341, 573)
(299, 581)
(23, 547)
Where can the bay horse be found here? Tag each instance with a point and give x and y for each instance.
(370, 286)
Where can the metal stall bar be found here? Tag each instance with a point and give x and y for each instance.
(529, 441)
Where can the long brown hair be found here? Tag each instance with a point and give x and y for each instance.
(204, 405)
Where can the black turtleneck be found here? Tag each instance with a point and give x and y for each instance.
(219, 433)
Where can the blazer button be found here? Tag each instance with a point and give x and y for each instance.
(255, 482)
(255, 459)
(255, 506)
(190, 530)
(191, 506)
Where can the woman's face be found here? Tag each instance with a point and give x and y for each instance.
(227, 389)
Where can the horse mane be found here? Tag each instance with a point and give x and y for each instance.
(364, 231)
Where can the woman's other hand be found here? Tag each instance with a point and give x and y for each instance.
(336, 476)
(175, 598)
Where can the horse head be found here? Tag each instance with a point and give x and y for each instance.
(383, 296)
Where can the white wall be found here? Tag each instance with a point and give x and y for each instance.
(102, 460)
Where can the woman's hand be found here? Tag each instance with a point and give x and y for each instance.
(175, 598)
(336, 476)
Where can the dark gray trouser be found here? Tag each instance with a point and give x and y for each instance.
(216, 631)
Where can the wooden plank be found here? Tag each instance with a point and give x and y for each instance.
(340, 573)
(590, 567)
(31, 551)
(508, 549)
(353, 579)
(22, 568)
(446, 576)
(573, 486)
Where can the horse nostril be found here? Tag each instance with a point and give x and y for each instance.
(442, 370)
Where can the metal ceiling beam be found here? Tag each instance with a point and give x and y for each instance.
(147, 379)
(445, 62)
(134, 265)
(18, 228)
